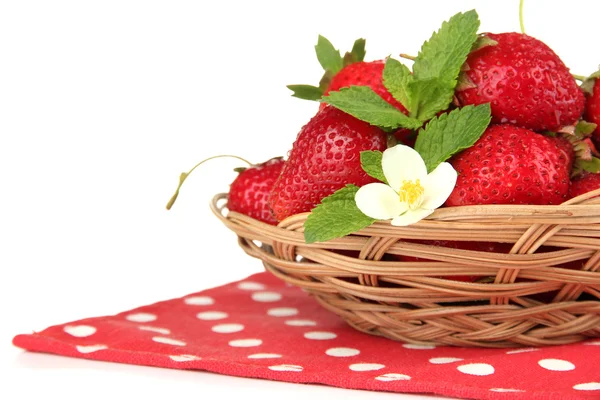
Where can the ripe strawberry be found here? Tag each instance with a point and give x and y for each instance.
(584, 183)
(511, 165)
(592, 103)
(324, 158)
(364, 73)
(249, 191)
(526, 83)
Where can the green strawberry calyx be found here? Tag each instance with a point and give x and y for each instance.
(587, 157)
(588, 82)
(332, 62)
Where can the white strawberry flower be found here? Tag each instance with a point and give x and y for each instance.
(411, 193)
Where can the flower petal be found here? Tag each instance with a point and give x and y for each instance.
(379, 201)
(411, 216)
(438, 185)
(401, 163)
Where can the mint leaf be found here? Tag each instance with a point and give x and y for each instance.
(396, 77)
(428, 97)
(445, 52)
(370, 161)
(337, 215)
(450, 133)
(306, 92)
(328, 56)
(363, 103)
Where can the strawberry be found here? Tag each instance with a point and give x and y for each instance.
(342, 72)
(526, 83)
(325, 157)
(584, 183)
(364, 73)
(512, 165)
(592, 103)
(249, 191)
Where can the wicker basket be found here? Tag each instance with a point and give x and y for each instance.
(415, 302)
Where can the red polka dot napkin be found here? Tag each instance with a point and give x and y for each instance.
(261, 327)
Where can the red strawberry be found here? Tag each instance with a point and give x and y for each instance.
(364, 73)
(249, 191)
(526, 83)
(490, 247)
(592, 104)
(324, 158)
(511, 165)
(584, 183)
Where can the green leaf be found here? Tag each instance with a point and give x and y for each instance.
(336, 216)
(396, 77)
(428, 97)
(363, 103)
(328, 56)
(306, 92)
(445, 52)
(370, 161)
(450, 133)
(357, 54)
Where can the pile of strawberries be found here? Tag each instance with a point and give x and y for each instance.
(539, 146)
(538, 149)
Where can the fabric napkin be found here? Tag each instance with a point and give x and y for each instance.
(261, 327)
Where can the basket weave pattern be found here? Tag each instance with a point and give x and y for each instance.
(415, 302)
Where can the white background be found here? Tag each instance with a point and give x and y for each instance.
(104, 103)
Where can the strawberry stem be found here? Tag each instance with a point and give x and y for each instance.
(184, 175)
(521, 16)
(408, 56)
(579, 77)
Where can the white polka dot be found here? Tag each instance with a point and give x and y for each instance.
(184, 357)
(245, 343)
(166, 340)
(393, 377)
(91, 348)
(418, 346)
(286, 367)
(227, 328)
(554, 364)
(282, 312)
(320, 335)
(587, 386)
(266, 297)
(211, 315)
(527, 350)
(264, 355)
(360, 367)
(479, 369)
(444, 360)
(164, 331)
(80, 330)
(199, 301)
(141, 317)
(342, 352)
(251, 286)
(505, 390)
(300, 322)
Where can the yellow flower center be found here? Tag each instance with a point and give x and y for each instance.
(411, 193)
